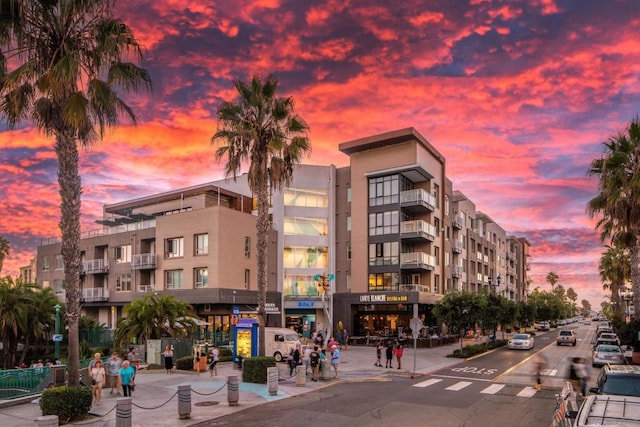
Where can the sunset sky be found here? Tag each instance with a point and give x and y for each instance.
(517, 95)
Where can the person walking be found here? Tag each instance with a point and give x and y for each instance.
(398, 351)
(335, 360)
(215, 357)
(168, 359)
(306, 358)
(345, 338)
(113, 371)
(294, 361)
(98, 377)
(96, 357)
(539, 366)
(379, 355)
(126, 378)
(389, 354)
(582, 373)
(314, 361)
(132, 357)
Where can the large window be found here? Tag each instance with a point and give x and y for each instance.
(201, 244)
(384, 190)
(315, 198)
(306, 257)
(123, 282)
(122, 254)
(299, 284)
(384, 282)
(306, 226)
(174, 279)
(46, 263)
(174, 247)
(384, 223)
(201, 277)
(59, 262)
(386, 253)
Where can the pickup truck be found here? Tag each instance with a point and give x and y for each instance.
(566, 336)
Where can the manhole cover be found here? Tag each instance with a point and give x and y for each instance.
(208, 403)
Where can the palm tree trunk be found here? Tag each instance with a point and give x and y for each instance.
(635, 280)
(70, 190)
(262, 227)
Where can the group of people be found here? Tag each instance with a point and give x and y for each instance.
(116, 373)
(578, 373)
(200, 359)
(313, 358)
(392, 349)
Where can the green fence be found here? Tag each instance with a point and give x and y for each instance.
(23, 382)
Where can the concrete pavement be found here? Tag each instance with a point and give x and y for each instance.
(155, 400)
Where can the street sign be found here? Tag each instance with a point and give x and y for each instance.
(416, 325)
(57, 338)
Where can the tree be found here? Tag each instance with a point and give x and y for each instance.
(552, 279)
(70, 60)
(460, 311)
(615, 270)
(38, 324)
(153, 317)
(586, 308)
(262, 130)
(617, 201)
(4, 251)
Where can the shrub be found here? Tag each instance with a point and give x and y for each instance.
(254, 369)
(67, 402)
(185, 363)
(226, 355)
(472, 350)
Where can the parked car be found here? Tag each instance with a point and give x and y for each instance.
(601, 341)
(566, 336)
(544, 326)
(521, 342)
(607, 354)
(609, 336)
(619, 380)
(604, 330)
(607, 411)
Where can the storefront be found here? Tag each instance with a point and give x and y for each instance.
(304, 316)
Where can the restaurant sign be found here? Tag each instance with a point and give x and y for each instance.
(372, 298)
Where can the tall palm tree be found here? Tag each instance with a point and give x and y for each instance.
(15, 308)
(262, 130)
(38, 325)
(70, 59)
(617, 202)
(4, 251)
(614, 268)
(552, 279)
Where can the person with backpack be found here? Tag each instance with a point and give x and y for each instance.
(294, 361)
(314, 361)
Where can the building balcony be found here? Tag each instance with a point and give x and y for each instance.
(94, 295)
(511, 256)
(144, 261)
(146, 288)
(479, 256)
(456, 246)
(458, 221)
(456, 271)
(417, 201)
(94, 266)
(417, 230)
(417, 261)
(414, 287)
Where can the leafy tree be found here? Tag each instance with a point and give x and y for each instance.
(460, 311)
(4, 250)
(617, 202)
(615, 270)
(263, 131)
(586, 308)
(38, 323)
(69, 60)
(153, 317)
(552, 279)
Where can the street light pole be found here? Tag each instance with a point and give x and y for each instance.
(57, 328)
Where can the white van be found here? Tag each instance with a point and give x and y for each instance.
(279, 342)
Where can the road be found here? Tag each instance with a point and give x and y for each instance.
(493, 390)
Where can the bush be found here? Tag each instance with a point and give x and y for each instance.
(67, 402)
(226, 355)
(185, 363)
(254, 369)
(472, 350)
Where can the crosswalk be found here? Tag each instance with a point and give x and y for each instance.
(524, 391)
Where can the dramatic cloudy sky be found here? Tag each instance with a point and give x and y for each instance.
(518, 96)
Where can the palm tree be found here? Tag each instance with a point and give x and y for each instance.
(617, 202)
(70, 61)
(552, 279)
(153, 317)
(4, 250)
(614, 268)
(38, 325)
(262, 130)
(15, 309)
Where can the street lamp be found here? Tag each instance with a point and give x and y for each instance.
(57, 328)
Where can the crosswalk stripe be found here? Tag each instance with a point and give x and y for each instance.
(527, 392)
(459, 386)
(553, 373)
(427, 383)
(493, 389)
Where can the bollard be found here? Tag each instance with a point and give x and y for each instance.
(48, 421)
(184, 401)
(123, 412)
(233, 390)
(325, 372)
(272, 380)
(301, 376)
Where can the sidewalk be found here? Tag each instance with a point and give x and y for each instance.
(155, 400)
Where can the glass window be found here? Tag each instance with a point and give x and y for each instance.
(384, 282)
(306, 257)
(349, 195)
(311, 198)
(382, 223)
(59, 262)
(123, 282)
(383, 190)
(174, 279)
(45, 263)
(174, 247)
(247, 247)
(201, 277)
(298, 284)
(306, 226)
(122, 254)
(247, 278)
(201, 244)
(386, 253)
(348, 251)
(349, 223)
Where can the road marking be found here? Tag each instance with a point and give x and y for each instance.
(527, 392)
(493, 389)
(427, 383)
(459, 385)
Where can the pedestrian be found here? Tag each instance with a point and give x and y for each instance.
(314, 361)
(335, 360)
(132, 357)
(539, 366)
(197, 355)
(345, 338)
(582, 373)
(389, 354)
(96, 357)
(295, 360)
(168, 359)
(215, 357)
(126, 378)
(306, 358)
(398, 351)
(379, 355)
(113, 372)
(98, 377)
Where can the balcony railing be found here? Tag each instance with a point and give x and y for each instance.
(456, 271)
(417, 260)
(458, 221)
(144, 261)
(146, 288)
(418, 228)
(414, 287)
(417, 197)
(94, 295)
(457, 246)
(95, 266)
(124, 228)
